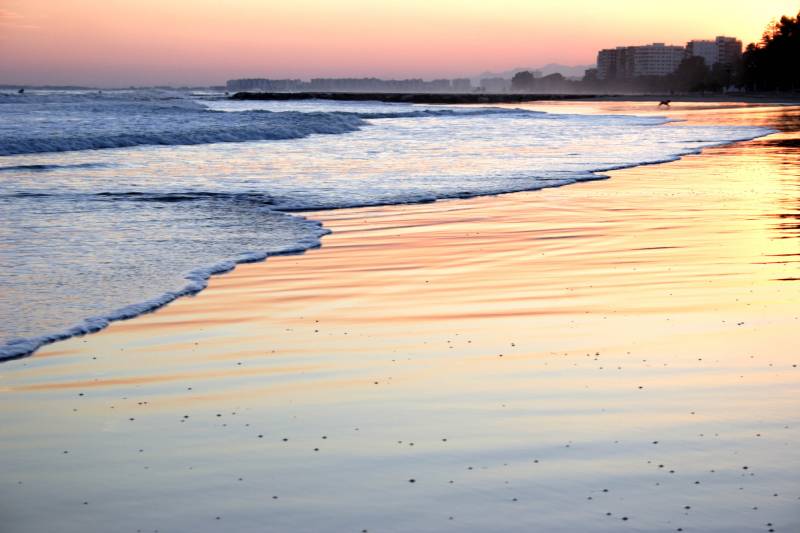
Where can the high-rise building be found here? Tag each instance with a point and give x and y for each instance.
(657, 59)
(705, 49)
(607, 64)
(615, 63)
(723, 50)
(625, 62)
(729, 50)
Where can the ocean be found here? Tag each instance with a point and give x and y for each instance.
(115, 203)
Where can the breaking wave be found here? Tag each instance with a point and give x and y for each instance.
(96, 121)
(205, 130)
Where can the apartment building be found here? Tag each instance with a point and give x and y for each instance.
(625, 62)
(723, 50)
(659, 59)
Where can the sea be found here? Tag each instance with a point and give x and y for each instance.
(115, 203)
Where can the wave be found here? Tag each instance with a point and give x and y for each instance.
(207, 126)
(186, 196)
(295, 203)
(45, 168)
(197, 281)
(272, 126)
(525, 113)
(91, 121)
(257, 198)
(464, 112)
(99, 98)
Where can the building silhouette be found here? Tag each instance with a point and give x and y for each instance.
(350, 85)
(495, 85)
(462, 85)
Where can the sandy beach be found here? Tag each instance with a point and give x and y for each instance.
(615, 355)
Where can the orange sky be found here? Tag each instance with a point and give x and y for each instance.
(124, 42)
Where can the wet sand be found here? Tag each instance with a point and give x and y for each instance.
(618, 355)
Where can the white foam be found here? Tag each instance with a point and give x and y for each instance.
(197, 281)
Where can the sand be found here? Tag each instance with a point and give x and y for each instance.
(618, 355)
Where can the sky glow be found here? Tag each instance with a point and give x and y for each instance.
(143, 42)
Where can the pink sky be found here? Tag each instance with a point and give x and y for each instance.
(142, 42)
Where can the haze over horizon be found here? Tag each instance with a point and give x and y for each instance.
(204, 42)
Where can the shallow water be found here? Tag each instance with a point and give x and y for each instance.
(116, 203)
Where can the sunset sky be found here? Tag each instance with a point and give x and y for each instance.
(142, 42)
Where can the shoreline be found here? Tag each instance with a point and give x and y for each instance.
(590, 358)
(200, 276)
(508, 98)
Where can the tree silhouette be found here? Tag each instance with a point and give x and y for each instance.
(552, 81)
(522, 81)
(691, 75)
(774, 63)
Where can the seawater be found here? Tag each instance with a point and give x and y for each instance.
(115, 203)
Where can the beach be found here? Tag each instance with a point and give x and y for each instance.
(613, 355)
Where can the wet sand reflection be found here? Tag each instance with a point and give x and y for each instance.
(549, 360)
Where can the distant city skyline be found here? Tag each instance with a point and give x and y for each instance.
(204, 42)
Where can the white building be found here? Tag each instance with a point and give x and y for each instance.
(705, 49)
(625, 62)
(657, 59)
(724, 50)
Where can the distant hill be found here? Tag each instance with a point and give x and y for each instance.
(551, 68)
